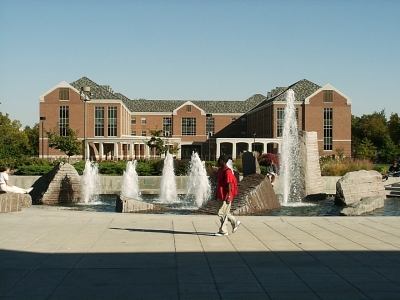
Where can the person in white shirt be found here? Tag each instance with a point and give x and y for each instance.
(6, 186)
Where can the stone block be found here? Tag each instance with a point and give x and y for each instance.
(129, 205)
(256, 194)
(11, 202)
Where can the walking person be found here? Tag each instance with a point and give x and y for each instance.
(226, 191)
(6, 186)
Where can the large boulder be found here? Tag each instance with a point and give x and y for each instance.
(10, 202)
(363, 206)
(354, 186)
(256, 194)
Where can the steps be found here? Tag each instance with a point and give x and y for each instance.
(392, 187)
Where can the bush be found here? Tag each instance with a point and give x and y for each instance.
(33, 170)
(339, 167)
(263, 158)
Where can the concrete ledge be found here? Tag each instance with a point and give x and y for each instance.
(11, 202)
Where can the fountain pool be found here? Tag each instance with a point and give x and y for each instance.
(106, 203)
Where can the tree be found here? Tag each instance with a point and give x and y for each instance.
(388, 152)
(14, 142)
(374, 127)
(365, 149)
(68, 144)
(394, 128)
(159, 144)
(33, 137)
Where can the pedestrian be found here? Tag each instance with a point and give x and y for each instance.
(226, 191)
(6, 186)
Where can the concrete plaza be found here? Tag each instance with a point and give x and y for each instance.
(59, 254)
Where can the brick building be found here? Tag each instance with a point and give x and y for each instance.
(118, 127)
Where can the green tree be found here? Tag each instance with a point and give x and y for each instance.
(160, 144)
(33, 137)
(388, 152)
(68, 144)
(394, 128)
(374, 127)
(365, 149)
(14, 141)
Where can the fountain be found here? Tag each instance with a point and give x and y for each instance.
(130, 181)
(289, 161)
(198, 184)
(91, 182)
(168, 191)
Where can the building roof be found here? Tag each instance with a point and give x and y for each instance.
(302, 89)
(143, 105)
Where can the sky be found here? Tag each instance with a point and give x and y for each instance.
(199, 49)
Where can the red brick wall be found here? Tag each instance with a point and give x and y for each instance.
(341, 122)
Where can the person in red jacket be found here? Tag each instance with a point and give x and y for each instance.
(226, 185)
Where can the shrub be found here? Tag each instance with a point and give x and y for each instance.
(339, 167)
(263, 158)
(33, 170)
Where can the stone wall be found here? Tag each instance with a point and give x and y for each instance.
(256, 194)
(10, 202)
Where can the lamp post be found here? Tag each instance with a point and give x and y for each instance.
(85, 93)
(254, 143)
(209, 144)
(42, 119)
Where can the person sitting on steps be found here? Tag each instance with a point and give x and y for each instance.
(394, 170)
(6, 186)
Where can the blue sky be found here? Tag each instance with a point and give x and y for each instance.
(199, 50)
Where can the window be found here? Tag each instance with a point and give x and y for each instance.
(210, 125)
(99, 121)
(167, 126)
(243, 121)
(188, 126)
(63, 94)
(63, 120)
(133, 120)
(143, 132)
(112, 121)
(133, 133)
(328, 96)
(188, 108)
(280, 116)
(144, 121)
(328, 128)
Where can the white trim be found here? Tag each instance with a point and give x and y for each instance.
(175, 111)
(324, 88)
(62, 84)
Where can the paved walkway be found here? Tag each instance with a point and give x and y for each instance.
(56, 254)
